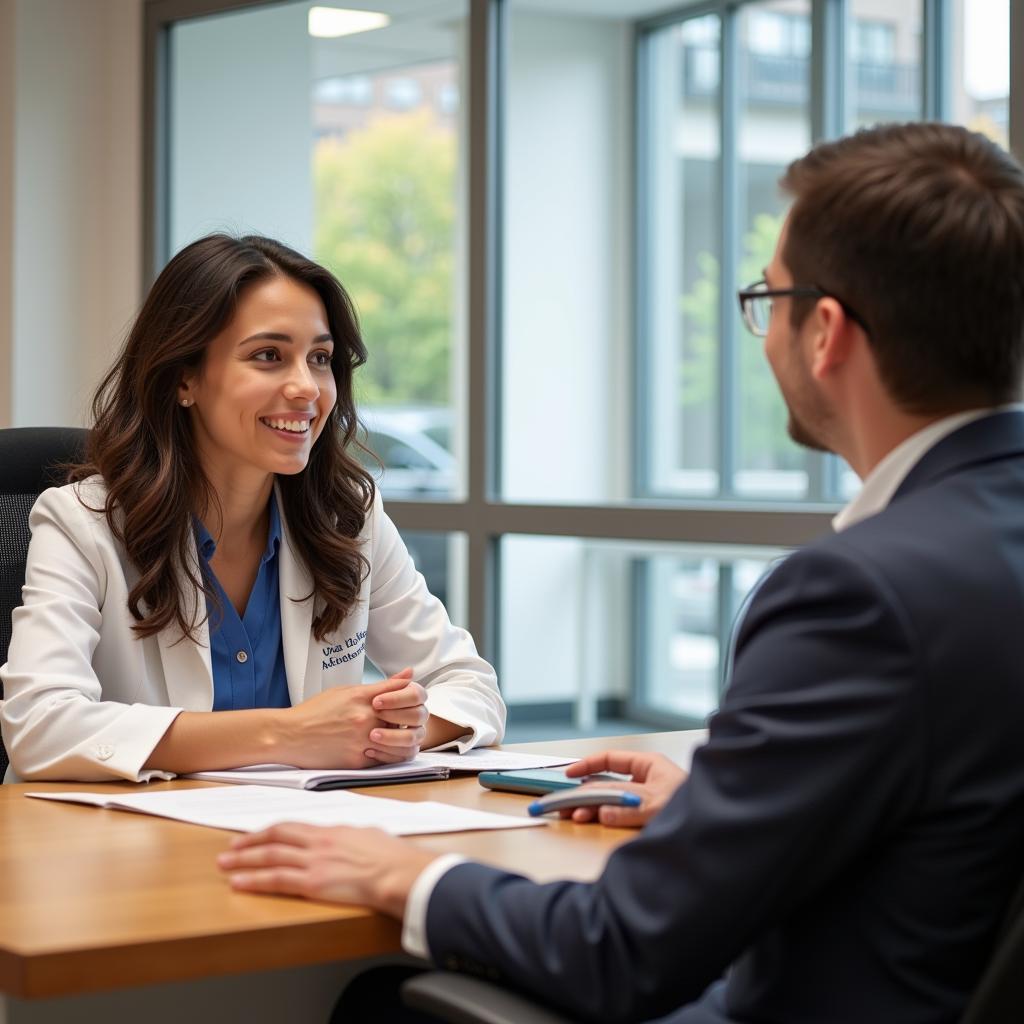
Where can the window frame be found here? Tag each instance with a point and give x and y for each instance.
(482, 516)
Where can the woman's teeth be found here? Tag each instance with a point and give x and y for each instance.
(292, 426)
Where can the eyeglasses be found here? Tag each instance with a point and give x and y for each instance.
(756, 304)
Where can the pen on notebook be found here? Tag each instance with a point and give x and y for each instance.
(561, 800)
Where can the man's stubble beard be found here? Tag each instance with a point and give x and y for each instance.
(807, 428)
(802, 434)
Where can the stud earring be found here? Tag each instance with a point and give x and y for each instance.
(186, 402)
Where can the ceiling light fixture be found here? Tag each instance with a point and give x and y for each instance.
(331, 22)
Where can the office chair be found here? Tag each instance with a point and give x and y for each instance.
(999, 997)
(30, 461)
(460, 999)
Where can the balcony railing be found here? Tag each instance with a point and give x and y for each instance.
(768, 80)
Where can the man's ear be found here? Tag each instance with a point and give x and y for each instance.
(832, 337)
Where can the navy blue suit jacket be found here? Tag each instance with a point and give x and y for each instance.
(849, 837)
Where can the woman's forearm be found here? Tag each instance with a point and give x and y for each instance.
(199, 741)
(330, 730)
(440, 730)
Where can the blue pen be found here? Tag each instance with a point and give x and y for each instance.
(562, 799)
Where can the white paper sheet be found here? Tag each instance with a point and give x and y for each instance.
(252, 808)
(484, 759)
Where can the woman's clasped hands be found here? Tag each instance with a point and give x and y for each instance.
(359, 726)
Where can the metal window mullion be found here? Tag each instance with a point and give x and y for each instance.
(486, 98)
(1017, 78)
(936, 60)
(641, 623)
(829, 98)
(156, 92)
(829, 92)
(779, 526)
(729, 115)
(643, 469)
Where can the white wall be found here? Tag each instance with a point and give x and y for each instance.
(70, 206)
(241, 126)
(565, 378)
(6, 204)
(567, 252)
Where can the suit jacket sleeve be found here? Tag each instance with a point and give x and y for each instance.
(408, 626)
(56, 723)
(816, 751)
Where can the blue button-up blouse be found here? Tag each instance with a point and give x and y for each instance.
(246, 653)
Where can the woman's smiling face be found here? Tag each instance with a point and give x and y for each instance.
(265, 388)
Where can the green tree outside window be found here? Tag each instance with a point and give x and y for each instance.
(385, 219)
(763, 440)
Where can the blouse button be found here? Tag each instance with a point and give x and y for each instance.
(241, 657)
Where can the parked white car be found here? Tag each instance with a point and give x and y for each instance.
(415, 465)
(413, 443)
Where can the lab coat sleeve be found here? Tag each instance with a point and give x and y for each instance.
(56, 723)
(409, 627)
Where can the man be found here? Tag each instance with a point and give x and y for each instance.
(848, 839)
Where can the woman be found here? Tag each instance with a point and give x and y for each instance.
(221, 550)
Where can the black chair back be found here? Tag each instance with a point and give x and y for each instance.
(30, 461)
(999, 999)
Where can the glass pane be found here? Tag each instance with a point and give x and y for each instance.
(441, 557)
(567, 265)
(346, 147)
(691, 608)
(981, 81)
(883, 46)
(679, 296)
(593, 631)
(683, 656)
(565, 641)
(774, 128)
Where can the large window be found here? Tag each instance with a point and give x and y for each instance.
(543, 209)
(980, 93)
(346, 146)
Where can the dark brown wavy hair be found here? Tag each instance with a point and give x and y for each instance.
(920, 229)
(143, 446)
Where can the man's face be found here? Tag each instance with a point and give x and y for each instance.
(787, 349)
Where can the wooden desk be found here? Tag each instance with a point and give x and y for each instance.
(94, 900)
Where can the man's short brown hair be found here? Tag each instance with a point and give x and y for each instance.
(919, 228)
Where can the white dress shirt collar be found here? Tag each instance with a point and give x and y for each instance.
(884, 480)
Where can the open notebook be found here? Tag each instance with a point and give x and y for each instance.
(340, 778)
(424, 768)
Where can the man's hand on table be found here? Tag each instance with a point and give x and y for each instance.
(654, 779)
(364, 866)
(368, 867)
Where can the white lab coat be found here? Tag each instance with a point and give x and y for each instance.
(86, 699)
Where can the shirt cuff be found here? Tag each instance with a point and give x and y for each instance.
(414, 924)
(460, 744)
